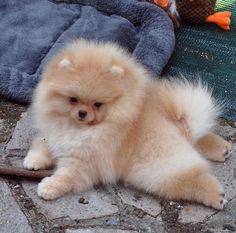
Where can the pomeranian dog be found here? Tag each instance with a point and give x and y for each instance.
(103, 119)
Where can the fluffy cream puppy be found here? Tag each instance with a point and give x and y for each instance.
(102, 119)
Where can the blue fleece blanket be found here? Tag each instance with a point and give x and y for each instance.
(33, 31)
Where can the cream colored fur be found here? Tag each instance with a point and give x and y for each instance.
(173, 8)
(146, 133)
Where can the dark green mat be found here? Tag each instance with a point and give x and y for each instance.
(209, 52)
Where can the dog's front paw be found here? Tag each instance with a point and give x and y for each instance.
(35, 161)
(50, 189)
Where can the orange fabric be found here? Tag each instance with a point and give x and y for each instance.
(222, 19)
(162, 3)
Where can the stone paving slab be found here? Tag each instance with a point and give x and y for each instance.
(226, 172)
(226, 219)
(96, 203)
(103, 203)
(2, 128)
(3, 137)
(192, 213)
(100, 202)
(99, 230)
(140, 200)
(23, 134)
(12, 220)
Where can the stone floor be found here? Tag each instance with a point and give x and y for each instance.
(112, 209)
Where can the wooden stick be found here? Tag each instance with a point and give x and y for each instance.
(20, 172)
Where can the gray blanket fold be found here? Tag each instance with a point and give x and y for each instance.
(33, 31)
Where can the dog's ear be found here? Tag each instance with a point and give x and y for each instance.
(117, 71)
(65, 63)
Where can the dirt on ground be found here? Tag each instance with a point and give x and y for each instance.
(10, 113)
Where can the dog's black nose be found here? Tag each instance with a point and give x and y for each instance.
(82, 114)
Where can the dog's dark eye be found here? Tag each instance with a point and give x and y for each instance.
(73, 100)
(98, 104)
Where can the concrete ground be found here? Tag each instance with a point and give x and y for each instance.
(112, 209)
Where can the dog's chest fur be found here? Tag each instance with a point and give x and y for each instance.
(91, 143)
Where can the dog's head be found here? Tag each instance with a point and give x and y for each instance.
(89, 83)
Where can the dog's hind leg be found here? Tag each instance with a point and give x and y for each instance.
(194, 184)
(184, 175)
(214, 147)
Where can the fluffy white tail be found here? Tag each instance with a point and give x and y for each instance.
(194, 103)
